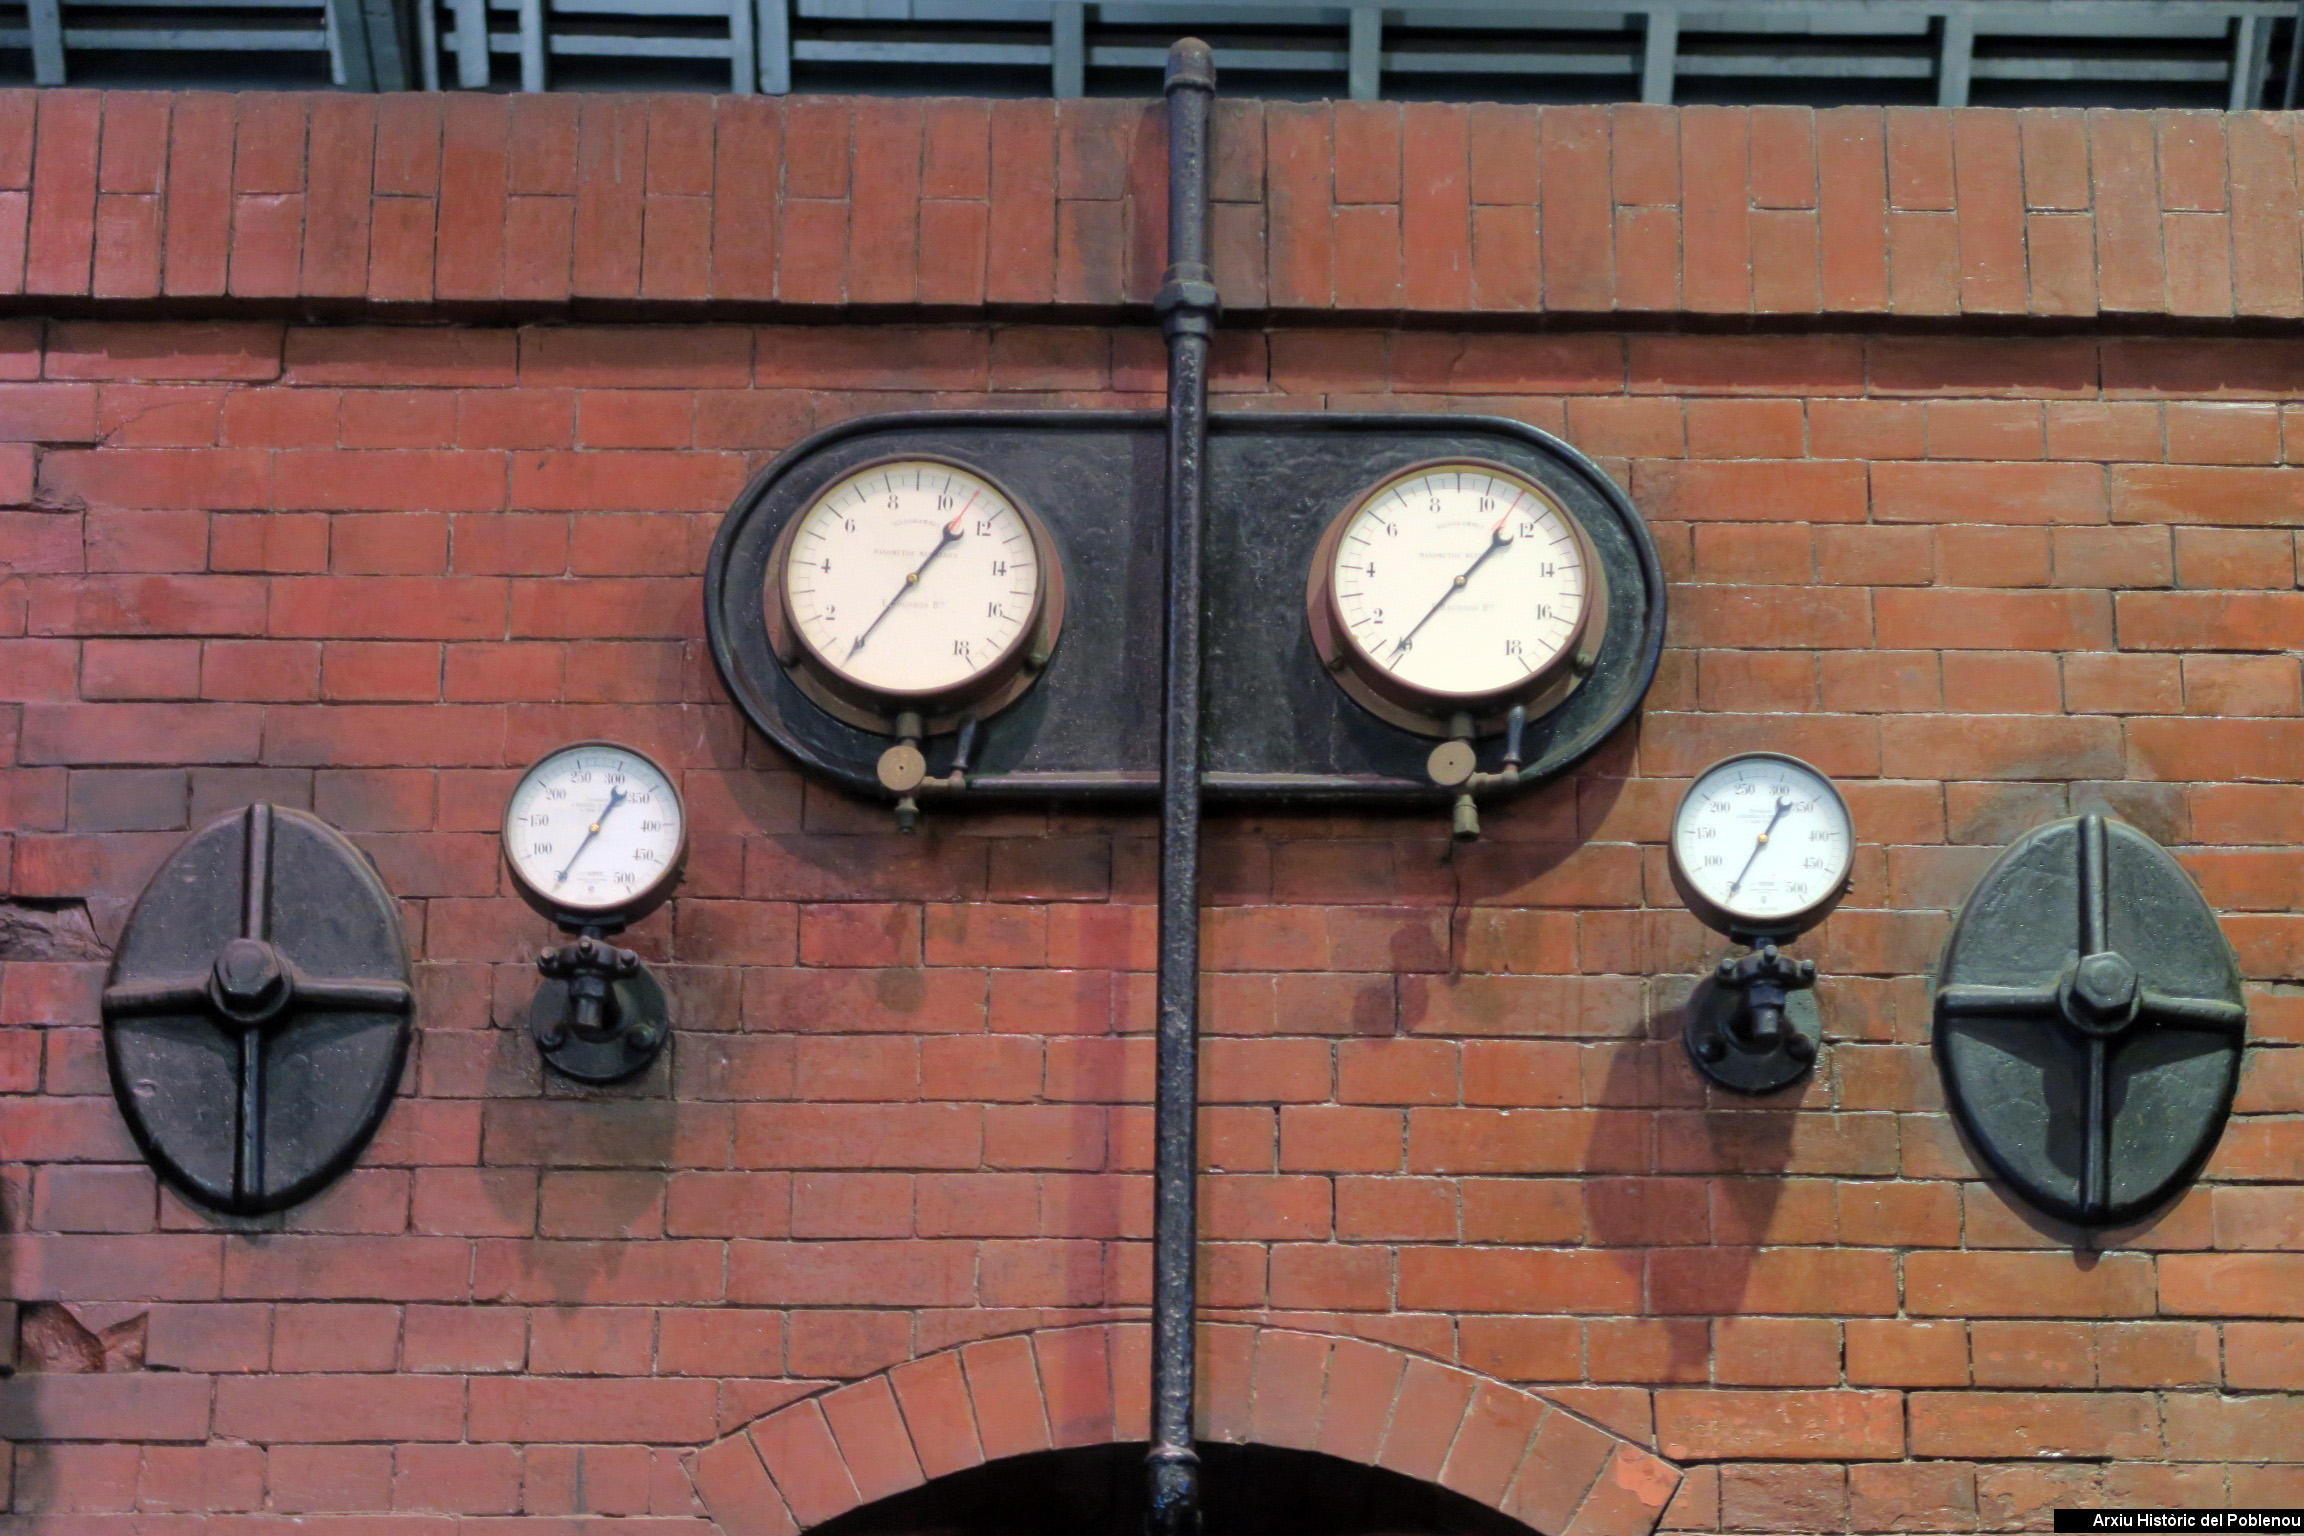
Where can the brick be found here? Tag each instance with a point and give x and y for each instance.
(2012, 620)
(748, 141)
(335, 1337)
(2265, 280)
(1076, 1375)
(1777, 1352)
(2032, 1424)
(2061, 251)
(1004, 1386)
(1435, 206)
(2016, 493)
(2131, 270)
(63, 228)
(1754, 491)
(1563, 1463)
(934, 1397)
(1020, 261)
(1841, 1425)
(1852, 207)
(2055, 153)
(884, 221)
(2205, 495)
(1577, 223)
(1784, 267)
(337, 1409)
(1988, 182)
(2227, 1285)
(658, 1412)
(1765, 1498)
(611, 171)
(1715, 154)
(1746, 429)
(1778, 1280)
(1366, 136)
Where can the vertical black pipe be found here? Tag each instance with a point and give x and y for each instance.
(1187, 308)
(2289, 82)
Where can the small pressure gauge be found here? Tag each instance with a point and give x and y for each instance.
(1762, 845)
(1455, 590)
(594, 834)
(914, 586)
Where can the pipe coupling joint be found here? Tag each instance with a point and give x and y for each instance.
(1187, 304)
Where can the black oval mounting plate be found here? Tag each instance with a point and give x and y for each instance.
(1277, 726)
(257, 1012)
(2089, 1022)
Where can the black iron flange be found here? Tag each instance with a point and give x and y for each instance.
(598, 1016)
(1753, 1026)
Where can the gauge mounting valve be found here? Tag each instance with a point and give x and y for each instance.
(594, 835)
(1762, 847)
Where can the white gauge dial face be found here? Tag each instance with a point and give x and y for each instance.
(912, 578)
(1461, 579)
(594, 827)
(1763, 838)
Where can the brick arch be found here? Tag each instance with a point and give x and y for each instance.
(1053, 1389)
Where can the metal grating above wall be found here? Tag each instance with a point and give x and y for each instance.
(2211, 53)
(2192, 53)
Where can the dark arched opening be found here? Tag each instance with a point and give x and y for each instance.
(1246, 1490)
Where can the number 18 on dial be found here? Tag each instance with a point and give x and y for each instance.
(1762, 845)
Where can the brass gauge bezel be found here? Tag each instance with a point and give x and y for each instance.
(1748, 927)
(617, 916)
(990, 690)
(1441, 712)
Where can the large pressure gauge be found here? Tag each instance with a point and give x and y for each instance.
(914, 587)
(1452, 591)
(1762, 845)
(594, 835)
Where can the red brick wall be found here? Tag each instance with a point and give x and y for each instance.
(374, 566)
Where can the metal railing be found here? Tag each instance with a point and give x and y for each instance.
(1945, 52)
(2206, 53)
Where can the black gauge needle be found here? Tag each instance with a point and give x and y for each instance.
(1781, 807)
(951, 537)
(1497, 539)
(615, 797)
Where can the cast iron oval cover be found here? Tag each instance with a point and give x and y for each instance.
(257, 1011)
(2089, 1021)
